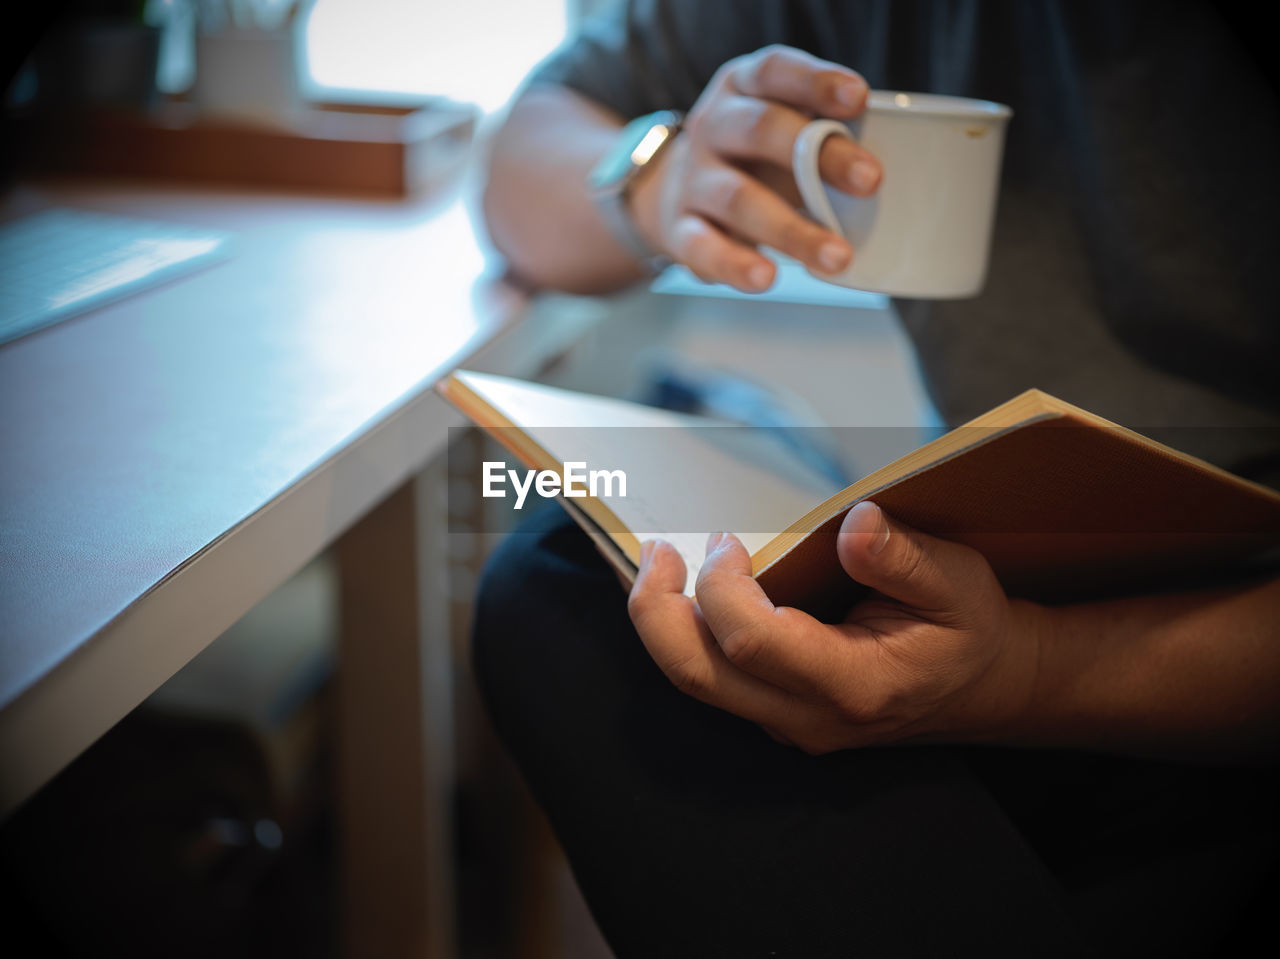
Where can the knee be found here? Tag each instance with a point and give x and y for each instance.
(540, 592)
(539, 565)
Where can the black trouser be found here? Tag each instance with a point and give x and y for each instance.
(692, 833)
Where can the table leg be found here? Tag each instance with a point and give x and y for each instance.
(395, 730)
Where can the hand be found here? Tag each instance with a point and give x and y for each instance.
(938, 653)
(725, 183)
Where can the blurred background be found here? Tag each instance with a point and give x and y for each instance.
(268, 63)
(474, 52)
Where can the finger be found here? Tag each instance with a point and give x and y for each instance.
(931, 575)
(749, 208)
(678, 640)
(800, 80)
(782, 646)
(716, 258)
(747, 128)
(774, 178)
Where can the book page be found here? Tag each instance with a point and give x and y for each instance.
(1060, 502)
(686, 476)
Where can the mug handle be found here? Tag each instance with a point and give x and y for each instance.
(804, 163)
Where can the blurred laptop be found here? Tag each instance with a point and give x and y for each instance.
(61, 262)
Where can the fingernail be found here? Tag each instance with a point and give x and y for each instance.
(646, 552)
(851, 93)
(864, 175)
(758, 276)
(870, 518)
(833, 256)
(713, 542)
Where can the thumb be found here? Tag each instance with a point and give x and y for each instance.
(910, 566)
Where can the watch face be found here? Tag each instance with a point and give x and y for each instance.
(617, 164)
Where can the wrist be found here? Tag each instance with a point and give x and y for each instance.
(636, 152)
(1020, 680)
(644, 204)
(1062, 707)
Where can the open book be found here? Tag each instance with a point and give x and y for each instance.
(1060, 501)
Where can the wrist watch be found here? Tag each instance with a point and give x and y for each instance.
(611, 181)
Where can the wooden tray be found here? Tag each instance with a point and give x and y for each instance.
(393, 151)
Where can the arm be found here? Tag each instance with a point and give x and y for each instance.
(939, 654)
(720, 189)
(1195, 675)
(535, 201)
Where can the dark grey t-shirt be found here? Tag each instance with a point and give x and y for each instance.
(1134, 269)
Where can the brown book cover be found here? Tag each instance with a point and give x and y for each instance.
(1061, 502)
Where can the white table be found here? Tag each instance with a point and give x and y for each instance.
(170, 459)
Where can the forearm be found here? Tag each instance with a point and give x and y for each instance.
(536, 204)
(1193, 676)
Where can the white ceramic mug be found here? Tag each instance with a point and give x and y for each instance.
(926, 232)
